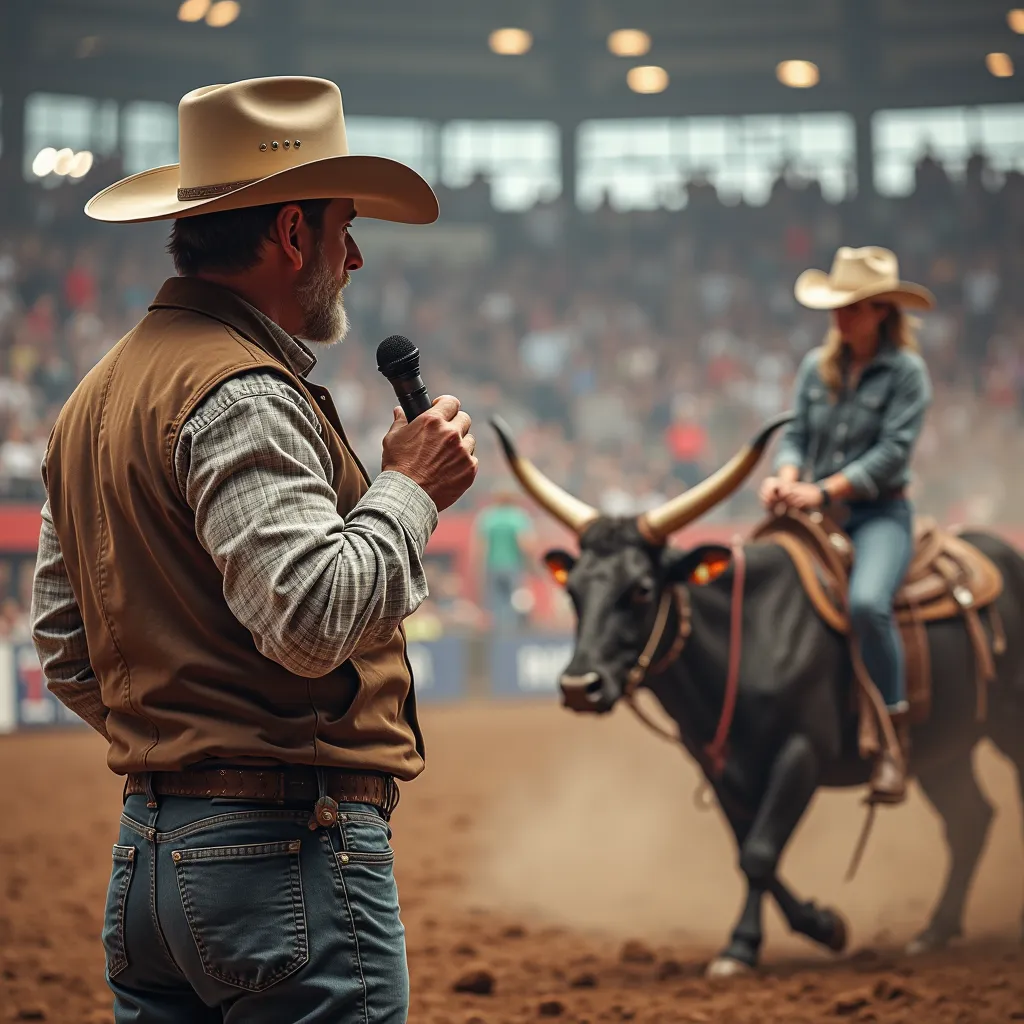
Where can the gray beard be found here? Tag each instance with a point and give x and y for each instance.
(324, 319)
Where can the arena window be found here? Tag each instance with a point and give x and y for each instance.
(520, 158)
(643, 164)
(950, 135)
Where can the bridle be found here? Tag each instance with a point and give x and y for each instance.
(679, 596)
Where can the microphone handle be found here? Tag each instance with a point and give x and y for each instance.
(412, 395)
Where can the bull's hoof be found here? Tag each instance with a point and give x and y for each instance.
(727, 967)
(930, 940)
(840, 933)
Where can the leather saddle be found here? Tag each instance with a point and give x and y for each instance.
(948, 578)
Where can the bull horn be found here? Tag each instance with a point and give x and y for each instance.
(656, 525)
(575, 514)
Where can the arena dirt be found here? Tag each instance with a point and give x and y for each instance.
(557, 868)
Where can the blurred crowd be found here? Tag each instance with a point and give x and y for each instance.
(631, 352)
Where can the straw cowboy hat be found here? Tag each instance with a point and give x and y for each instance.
(265, 140)
(868, 273)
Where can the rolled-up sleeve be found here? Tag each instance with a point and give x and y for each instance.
(310, 586)
(902, 418)
(792, 450)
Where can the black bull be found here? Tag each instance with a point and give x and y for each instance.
(793, 729)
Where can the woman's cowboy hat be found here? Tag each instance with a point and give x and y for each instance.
(265, 140)
(868, 273)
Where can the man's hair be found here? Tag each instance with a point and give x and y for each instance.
(231, 240)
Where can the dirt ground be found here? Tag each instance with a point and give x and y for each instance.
(564, 862)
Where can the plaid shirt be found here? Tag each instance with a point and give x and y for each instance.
(310, 586)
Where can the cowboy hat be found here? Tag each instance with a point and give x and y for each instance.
(868, 273)
(265, 140)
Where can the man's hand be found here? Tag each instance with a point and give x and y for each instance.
(436, 450)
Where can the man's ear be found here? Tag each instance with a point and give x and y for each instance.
(699, 566)
(559, 564)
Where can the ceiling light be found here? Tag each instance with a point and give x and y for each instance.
(999, 64)
(1015, 19)
(223, 13)
(193, 10)
(648, 78)
(629, 42)
(62, 161)
(798, 74)
(81, 165)
(44, 161)
(510, 42)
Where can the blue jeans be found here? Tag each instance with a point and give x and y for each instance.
(235, 912)
(883, 541)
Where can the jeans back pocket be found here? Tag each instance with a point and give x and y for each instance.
(245, 909)
(113, 916)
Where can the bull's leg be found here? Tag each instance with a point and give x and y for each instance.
(1008, 735)
(820, 924)
(792, 780)
(953, 791)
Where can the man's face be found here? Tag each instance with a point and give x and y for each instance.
(322, 279)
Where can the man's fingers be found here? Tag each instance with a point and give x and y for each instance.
(469, 443)
(462, 422)
(447, 405)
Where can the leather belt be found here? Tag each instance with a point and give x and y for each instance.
(295, 784)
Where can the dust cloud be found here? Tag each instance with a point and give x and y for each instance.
(596, 828)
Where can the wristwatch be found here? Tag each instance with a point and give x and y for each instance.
(826, 498)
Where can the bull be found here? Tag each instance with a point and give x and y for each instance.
(793, 728)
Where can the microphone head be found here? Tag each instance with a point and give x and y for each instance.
(397, 356)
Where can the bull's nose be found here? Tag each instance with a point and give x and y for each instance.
(581, 693)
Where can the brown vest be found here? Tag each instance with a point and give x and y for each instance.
(181, 676)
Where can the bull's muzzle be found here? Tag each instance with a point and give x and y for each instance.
(582, 693)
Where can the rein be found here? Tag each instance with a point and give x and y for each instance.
(715, 751)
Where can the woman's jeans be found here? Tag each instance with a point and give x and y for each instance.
(883, 542)
(225, 911)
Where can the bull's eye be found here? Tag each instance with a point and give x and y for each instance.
(643, 592)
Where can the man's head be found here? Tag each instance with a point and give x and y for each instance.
(290, 260)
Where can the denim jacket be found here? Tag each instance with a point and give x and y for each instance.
(868, 434)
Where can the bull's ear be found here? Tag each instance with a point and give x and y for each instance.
(559, 564)
(699, 566)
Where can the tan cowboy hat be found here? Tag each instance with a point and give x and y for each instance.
(868, 273)
(265, 140)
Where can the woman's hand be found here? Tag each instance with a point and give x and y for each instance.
(801, 495)
(772, 491)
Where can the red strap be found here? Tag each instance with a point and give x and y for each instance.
(715, 750)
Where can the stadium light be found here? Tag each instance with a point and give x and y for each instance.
(798, 74)
(510, 42)
(193, 10)
(999, 64)
(62, 162)
(647, 79)
(222, 13)
(629, 42)
(1015, 19)
(81, 164)
(44, 161)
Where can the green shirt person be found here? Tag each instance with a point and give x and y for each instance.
(503, 542)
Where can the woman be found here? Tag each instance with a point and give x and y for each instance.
(861, 398)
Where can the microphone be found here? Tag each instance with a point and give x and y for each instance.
(399, 360)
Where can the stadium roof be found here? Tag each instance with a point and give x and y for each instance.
(430, 58)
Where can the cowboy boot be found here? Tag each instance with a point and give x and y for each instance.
(889, 780)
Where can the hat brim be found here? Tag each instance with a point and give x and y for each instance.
(381, 189)
(815, 290)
